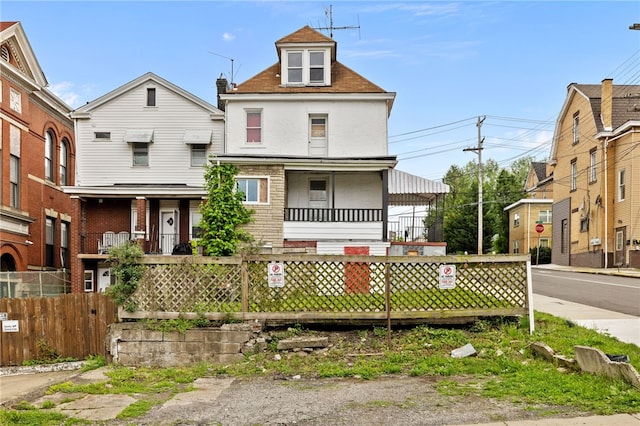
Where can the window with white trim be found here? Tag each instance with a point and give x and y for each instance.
(198, 154)
(316, 67)
(64, 244)
(544, 242)
(593, 170)
(64, 160)
(140, 153)
(516, 220)
(305, 67)
(621, 185)
(14, 181)
(255, 190)
(576, 128)
(516, 247)
(294, 67)
(88, 281)
(151, 96)
(574, 175)
(49, 147)
(544, 216)
(254, 126)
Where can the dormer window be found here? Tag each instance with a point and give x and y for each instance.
(305, 68)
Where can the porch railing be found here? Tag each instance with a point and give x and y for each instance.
(305, 214)
(101, 242)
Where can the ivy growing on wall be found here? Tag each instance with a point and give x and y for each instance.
(125, 265)
(223, 212)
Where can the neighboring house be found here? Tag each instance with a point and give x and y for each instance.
(309, 136)
(525, 214)
(37, 160)
(595, 159)
(140, 154)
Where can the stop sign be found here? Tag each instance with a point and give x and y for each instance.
(539, 228)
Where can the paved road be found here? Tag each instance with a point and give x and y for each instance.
(613, 293)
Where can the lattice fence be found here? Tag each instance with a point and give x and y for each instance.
(332, 287)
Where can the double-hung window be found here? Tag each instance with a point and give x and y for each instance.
(621, 185)
(593, 171)
(254, 126)
(576, 128)
(140, 154)
(50, 236)
(516, 220)
(49, 146)
(294, 67)
(254, 190)
(14, 181)
(545, 216)
(198, 154)
(64, 244)
(316, 67)
(64, 158)
(574, 175)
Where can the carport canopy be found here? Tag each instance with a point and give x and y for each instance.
(406, 189)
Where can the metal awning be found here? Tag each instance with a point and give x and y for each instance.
(197, 137)
(139, 136)
(409, 190)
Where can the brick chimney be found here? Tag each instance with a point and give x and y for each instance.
(221, 86)
(606, 103)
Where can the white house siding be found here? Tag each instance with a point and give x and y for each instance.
(354, 127)
(352, 190)
(318, 231)
(110, 162)
(337, 247)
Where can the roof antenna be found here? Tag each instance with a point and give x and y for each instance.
(232, 60)
(329, 14)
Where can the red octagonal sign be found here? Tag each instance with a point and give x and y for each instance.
(539, 228)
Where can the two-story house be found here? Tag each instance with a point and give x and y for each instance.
(595, 157)
(37, 159)
(140, 155)
(525, 215)
(309, 136)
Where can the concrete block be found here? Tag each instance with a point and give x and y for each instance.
(303, 342)
(173, 336)
(542, 350)
(228, 336)
(222, 347)
(464, 351)
(151, 336)
(195, 335)
(593, 360)
(227, 358)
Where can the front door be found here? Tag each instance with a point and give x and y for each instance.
(168, 230)
(621, 238)
(317, 136)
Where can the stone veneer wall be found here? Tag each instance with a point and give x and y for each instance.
(133, 344)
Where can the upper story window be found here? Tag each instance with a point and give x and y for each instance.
(140, 154)
(15, 100)
(198, 154)
(49, 146)
(254, 126)
(102, 136)
(576, 128)
(621, 185)
(574, 175)
(545, 216)
(14, 181)
(64, 161)
(593, 170)
(305, 67)
(4, 53)
(516, 220)
(151, 96)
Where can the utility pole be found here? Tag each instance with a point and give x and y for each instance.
(478, 151)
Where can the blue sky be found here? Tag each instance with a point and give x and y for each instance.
(448, 62)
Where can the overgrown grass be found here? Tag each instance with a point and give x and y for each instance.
(504, 368)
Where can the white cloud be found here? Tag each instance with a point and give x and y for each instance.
(64, 90)
(228, 36)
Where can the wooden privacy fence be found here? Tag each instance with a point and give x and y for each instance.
(306, 288)
(71, 325)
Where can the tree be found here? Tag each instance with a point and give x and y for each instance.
(223, 212)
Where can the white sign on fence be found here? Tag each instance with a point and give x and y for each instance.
(10, 326)
(276, 274)
(447, 277)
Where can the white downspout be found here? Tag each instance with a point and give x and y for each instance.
(606, 204)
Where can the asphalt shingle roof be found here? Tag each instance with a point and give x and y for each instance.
(626, 103)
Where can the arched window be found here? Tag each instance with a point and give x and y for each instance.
(64, 161)
(49, 146)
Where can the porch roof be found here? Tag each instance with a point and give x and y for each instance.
(409, 190)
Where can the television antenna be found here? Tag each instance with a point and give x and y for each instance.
(329, 14)
(232, 61)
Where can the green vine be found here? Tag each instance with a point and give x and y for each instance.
(125, 265)
(223, 212)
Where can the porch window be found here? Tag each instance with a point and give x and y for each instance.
(254, 126)
(255, 190)
(196, 230)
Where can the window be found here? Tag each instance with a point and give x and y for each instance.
(64, 244)
(576, 128)
(564, 236)
(151, 96)
(619, 240)
(15, 100)
(254, 126)
(102, 136)
(14, 181)
(64, 158)
(516, 220)
(574, 175)
(316, 67)
(621, 185)
(88, 281)
(50, 236)
(196, 230)
(545, 216)
(544, 242)
(516, 247)
(140, 154)
(294, 67)
(318, 127)
(593, 171)
(254, 189)
(198, 154)
(318, 190)
(49, 145)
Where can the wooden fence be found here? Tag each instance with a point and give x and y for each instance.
(308, 288)
(71, 325)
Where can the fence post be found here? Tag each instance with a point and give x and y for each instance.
(387, 297)
(530, 298)
(245, 287)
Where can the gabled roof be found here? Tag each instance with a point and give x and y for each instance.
(540, 169)
(84, 110)
(27, 64)
(307, 35)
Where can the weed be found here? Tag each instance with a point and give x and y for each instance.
(47, 405)
(24, 405)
